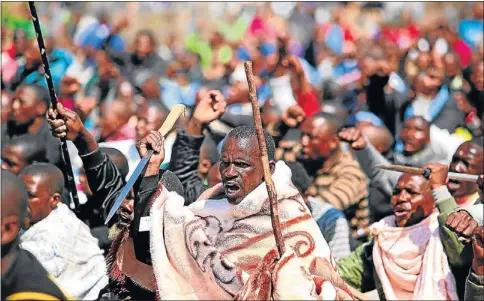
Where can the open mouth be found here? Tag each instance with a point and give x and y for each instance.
(400, 210)
(231, 189)
(453, 185)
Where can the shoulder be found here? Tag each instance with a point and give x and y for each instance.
(33, 282)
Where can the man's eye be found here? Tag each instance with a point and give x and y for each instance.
(242, 164)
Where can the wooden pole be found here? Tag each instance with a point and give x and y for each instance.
(271, 191)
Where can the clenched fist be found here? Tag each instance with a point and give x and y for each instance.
(354, 137)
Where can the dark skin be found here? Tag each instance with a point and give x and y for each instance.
(28, 109)
(415, 135)
(214, 176)
(478, 248)
(319, 141)
(412, 200)
(13, 194)
(13, 159)
(6, 106)
(115, 116)
(149, 119)
(240, 168)
(42, 200)
(379, 137)
(467, 159)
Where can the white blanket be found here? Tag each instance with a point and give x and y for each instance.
(64, 246)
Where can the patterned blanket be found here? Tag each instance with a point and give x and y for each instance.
(215, 250)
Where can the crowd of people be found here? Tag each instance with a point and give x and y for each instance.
(337, 99)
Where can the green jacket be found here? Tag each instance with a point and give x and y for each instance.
(358, 269)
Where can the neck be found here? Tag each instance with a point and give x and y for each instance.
(36, 125)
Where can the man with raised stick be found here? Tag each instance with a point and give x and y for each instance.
(221, 249)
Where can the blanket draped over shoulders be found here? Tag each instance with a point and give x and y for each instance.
(216, 250)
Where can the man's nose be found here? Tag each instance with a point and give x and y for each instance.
(230, 171)
(460, 167)
(15, 105)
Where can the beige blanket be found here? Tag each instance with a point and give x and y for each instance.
(411, 262)
(209, 249)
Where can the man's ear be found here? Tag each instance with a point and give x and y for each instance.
(334, 142)
(41, 108)
(272, 166)
(55, 199)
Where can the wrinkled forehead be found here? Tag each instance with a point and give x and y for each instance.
(247, 148)
(469, 150)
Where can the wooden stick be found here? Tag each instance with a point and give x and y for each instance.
(271, 191)
(426, 172)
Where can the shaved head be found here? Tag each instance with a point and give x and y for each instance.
(379, 136)
(48, 173)
(14, 195)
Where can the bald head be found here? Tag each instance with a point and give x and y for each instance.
(379, 136)
(467, 159)
(22, 151)
(14, 195)
(118, 159)
(14, 210)
(48, 174)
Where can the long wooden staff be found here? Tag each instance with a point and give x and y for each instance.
(271, 191)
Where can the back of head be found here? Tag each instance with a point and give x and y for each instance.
(48, 172)
(379, 136)
(14, 196)
(247, 132)
(14, 210)
(118, 159)
(332, 121)
(32, 146)
(209, 150)
(300, 178)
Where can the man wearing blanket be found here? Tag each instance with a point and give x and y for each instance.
(209, 249)
(412, 255)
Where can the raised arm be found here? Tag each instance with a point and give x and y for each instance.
(186, 149)
(102, 174)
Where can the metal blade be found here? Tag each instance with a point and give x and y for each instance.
(129, 185)
(463, 177)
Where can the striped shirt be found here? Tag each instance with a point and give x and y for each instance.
(342, 183)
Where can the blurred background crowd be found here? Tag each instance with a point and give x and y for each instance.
(408, 75)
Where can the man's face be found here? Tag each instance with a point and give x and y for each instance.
(240, 168)
(412, 200)
(451, 64)
(84, 183)
(26, 106)
(143, 46)
(13, 159)
(467, 159)
(149, 119)
(214, 176)
(432, 80)
(41, 202)
(317, 141)
(415, 135)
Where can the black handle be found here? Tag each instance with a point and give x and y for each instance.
(53, 100)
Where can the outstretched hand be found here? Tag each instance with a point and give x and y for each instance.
(354, 137)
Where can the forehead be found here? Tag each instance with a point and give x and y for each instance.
(32, 182)
(26, 94)
(467, 149)
(247, 148)
(407, 180)
(12, 151)
(315, 126)
(416, 122)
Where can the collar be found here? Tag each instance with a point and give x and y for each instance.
(468, 200)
